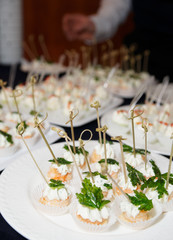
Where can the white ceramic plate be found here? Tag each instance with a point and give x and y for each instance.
(16, 184)
(51, 137)
(57, 117)
(115, 130)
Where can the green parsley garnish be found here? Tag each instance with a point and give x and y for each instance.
(135, 176)
(109, 161)
(127, 148)
(61, 161)
(33, 113)
(56, 184)
(108, 186)
(156, 182)
(91, 196)
(141, 200)
(96, 78)
(164, 176)
(24, 125)
(78, 150)
(1, 106)
(8, 137)
(96, 173)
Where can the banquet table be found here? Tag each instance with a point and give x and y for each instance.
(6, 231)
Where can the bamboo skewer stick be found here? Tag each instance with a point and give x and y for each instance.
(103, 130)
(37, 125)
(21, 130)
(17, 93)
(146, 59)
(97, 105)
(170, 163)
(71, 117)
(33, 46)
(119, 139)
(145, 127)
(33, 81)
(83, 150)
(64, 135)
(28, 51)
(44, 47)
(2, 84)
(119, 188)
(133, 130)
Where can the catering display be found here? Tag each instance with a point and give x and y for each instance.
(97, 199)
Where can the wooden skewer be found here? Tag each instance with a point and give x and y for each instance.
(170, 163)
(37, 125)
(2, 84)
(97, 105)
(138, 62)
(21, 130)
(146, 58)
(33, 46)
(71, 117)
(28, 51)
(17, 93)
(33, 81)
(145, 127)
(103, 130)
(83, 150)
(119, 188)
(119, 139)
(64, 135)
(133, 131)
(44, 48)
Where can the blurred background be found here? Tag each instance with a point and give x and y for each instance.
(21, 21)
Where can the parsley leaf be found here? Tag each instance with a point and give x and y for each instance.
(61, 161)
(108, 186)
(127, 148)
(78, 150)
(8, 137)
(96, 174)
(33, 113)
(141, 200)
(91, 196)
(156, 170)
(109, 161)
(1, 106)
(157, 184)
(56, 184)
(109, 142)
(25, 125)
(135, 176)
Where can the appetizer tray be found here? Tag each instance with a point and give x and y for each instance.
(115, 129)
(16, 185)
(84, 117)
(51, 137)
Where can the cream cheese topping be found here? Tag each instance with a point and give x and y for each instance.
(63, 168)
(130, 209)
(133, 161)
(109, 150)
(55, 194)
(80, 159)
(92, 214)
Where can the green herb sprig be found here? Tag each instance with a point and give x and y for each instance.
(25, 125)
(135, 176)
(61, 161)
(127, 148)
(8, 137)
(56, 184)
(109, 161)
(78, 150)
(33, 113)
(141, 200)
(157, 182)
(91, 196)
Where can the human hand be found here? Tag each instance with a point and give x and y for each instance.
(78, 27)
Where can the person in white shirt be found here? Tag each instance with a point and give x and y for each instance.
(153, 29)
